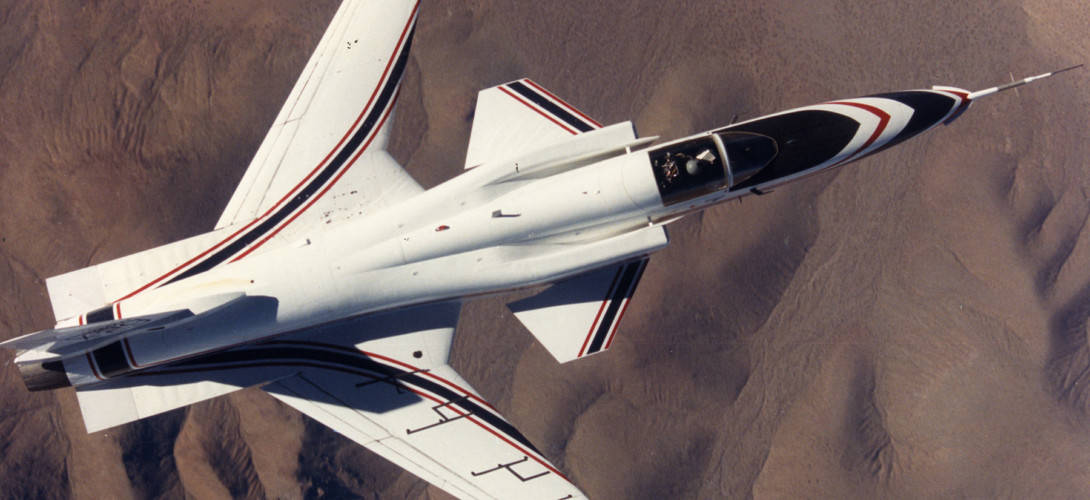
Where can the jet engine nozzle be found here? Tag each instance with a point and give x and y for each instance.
(41, 375)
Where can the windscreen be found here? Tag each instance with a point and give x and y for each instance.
(747, 153)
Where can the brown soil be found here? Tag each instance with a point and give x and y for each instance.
(914, 325)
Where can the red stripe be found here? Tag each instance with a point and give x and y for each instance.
(540, 112)
(467, 415)
(190, 261)
(432, 375)
(321, 164)
(617, 323)
(366, 108)
(561, 102)
(517, 447)
(331, 346)
(462, 390)
(883, 121)
(117, 310)
(94, 369)
(80, 320)
(961, 107)
(593, 326)
(631, 292)
(328, 186)
(128, 352)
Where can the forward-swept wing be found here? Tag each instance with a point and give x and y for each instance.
(337, 112)
(382, 381)
(323, 160)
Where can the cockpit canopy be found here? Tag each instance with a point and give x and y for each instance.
(747, 153)
(705, 164)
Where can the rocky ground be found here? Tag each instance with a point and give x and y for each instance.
(914, 325)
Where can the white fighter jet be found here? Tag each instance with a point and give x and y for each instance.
(333, 281)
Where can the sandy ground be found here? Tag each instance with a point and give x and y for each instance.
(913, 325)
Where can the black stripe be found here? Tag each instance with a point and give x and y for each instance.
(624, 290)
(551, 107)
(805, 139)
(111, 360)
(101, 314)
(928, 109)
(327, 173)
(285, 353)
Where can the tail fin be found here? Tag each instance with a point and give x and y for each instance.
(64, 341)
(41, 355)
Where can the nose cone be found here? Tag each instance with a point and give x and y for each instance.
(838, 132)
(929, 108)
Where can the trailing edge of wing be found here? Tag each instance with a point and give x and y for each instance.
(120, 401)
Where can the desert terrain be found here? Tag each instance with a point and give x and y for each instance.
(913, 325)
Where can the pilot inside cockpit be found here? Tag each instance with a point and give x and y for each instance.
(670, 167)
(687, 168)
(695, 165)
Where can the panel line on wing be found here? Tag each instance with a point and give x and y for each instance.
(322, 390)
(361, 363)
(509, 467)
(300, 100)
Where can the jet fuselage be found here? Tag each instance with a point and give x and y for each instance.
(507, 225)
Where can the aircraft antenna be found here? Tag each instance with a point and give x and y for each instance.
(994, 90)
